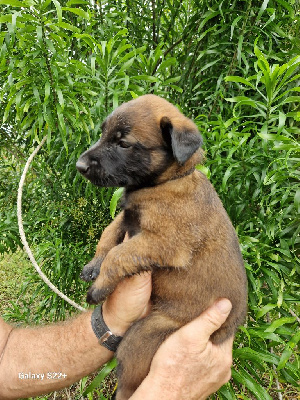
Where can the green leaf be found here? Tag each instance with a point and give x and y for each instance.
(264, 65)
(281, 121)
(236, 20)
(265, 309)
(58, 10)
(279, 322)
(203, 169)
(14, 3)
(77, 11)
(147, 78)
(72, 2)
(60, 98)
(291, 99)
(114, 201)
(68, 26)
(244, 378)
(270, 136)
(226, 177)
(239, 49)
(258, 356)
(262, 9)
(101, 376)
(288, 351)
(297, 200)
(239, 80)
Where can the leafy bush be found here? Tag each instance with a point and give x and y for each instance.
(252, 159)
(234, 68)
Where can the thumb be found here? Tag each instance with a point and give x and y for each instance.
(214, 317)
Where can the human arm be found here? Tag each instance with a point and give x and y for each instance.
(188, 365)
(69, 348)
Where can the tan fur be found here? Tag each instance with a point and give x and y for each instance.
(184, 236)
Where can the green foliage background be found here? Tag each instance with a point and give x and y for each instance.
(233, 66)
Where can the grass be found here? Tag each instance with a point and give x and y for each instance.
(13, 268)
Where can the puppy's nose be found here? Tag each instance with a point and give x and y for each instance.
(82, 166)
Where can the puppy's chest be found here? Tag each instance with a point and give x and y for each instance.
(131, 221)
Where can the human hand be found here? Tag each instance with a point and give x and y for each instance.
(188, 366)
(129, 302)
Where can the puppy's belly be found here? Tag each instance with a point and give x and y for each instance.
(184, 294)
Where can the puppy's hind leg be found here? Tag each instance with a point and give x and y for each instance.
(137, 349)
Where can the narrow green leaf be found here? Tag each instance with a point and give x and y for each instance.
(134, 95)
(14, 3)
(114, 201)
(262, 9)
(77, 11)
(286, 6)
(93, 65)
(288, 351)
(203, 169)
(264, 63)
(236, 20)
(246, 353)
(239, 49)
(279, 322)
(100, 377)
(244, 378)
(239, 80)
(265, 309)
(67, 26)
(60, 98)
(167, 63)
(39, 34)
(72, 2)
(291, 99)
(281, 122)
(226, 177)
(147, 78)
(127, 64)
(297, 200)
(58, 10)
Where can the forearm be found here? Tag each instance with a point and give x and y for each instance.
(40, 360)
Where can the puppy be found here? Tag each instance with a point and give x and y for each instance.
(177, 228)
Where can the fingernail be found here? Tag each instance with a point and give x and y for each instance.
(224, 306)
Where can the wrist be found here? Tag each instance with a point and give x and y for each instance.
(116, 325)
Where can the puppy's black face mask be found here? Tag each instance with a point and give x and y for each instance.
(119, 159)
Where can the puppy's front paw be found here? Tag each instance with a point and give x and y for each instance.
(91, 270)
(96, 295)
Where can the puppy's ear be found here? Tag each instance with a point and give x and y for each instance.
(184, 140)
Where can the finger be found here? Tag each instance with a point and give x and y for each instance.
(215, 316)
(207, 323)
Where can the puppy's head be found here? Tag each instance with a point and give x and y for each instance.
(141, 141)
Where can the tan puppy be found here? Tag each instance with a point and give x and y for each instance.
(177, 228)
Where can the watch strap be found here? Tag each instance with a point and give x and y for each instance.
(105, 336)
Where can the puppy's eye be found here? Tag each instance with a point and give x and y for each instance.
(124, 144)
